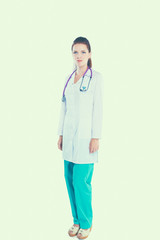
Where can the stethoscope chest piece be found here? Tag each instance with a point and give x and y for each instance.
(85, 83)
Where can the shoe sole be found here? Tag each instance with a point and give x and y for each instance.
(72, 235)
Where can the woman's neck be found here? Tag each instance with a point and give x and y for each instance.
(81, 70)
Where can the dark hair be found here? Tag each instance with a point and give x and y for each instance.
(86, 42)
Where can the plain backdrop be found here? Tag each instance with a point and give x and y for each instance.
(35, 53)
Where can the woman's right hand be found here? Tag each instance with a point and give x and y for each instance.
(60, 141)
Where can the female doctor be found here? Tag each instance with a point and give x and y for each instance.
(79, 132)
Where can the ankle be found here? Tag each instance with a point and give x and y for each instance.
(76, 225)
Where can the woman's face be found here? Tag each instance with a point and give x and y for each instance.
(80, 54)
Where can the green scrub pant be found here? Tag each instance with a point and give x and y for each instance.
(78, 181)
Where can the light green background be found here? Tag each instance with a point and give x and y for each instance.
(36, 39)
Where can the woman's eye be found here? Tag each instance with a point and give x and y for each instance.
(76, 52)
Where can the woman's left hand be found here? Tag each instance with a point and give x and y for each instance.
(94, 145)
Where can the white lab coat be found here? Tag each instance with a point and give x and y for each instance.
(81, 119)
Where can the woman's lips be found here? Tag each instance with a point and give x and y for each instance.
(79, 60)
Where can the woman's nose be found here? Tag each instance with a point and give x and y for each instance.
(79, 56)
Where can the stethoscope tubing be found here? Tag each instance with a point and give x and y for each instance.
(63, 96)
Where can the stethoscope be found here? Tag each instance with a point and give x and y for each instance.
(82, 88)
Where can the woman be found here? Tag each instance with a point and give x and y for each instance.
(79, 132)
